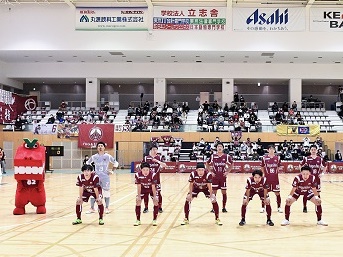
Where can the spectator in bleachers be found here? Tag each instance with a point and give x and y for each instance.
(51, 119)
(130, 111)
(285, 107)
(106, 107)
(260, 150)
(294, 106)
(215, 106)
(205, 106)
(319, 142)
(146, 106)
(18, 123)
(236, 97)
(185, 107)
(338, 156)
(255, 156)
(306, 142)
(241, 99)
(254, 108)
(175, 105)
(63, 106)
(226, 108)
(275, 107)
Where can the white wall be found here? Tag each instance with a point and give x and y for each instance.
(51, 27)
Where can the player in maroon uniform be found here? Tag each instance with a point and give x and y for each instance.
(318, 167)
(146, 183)
(257, 184)
(304, 184)
(89, 185)
(221, 165)
(270, 164)
(200, 180)
(156, 165)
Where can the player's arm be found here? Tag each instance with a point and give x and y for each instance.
(90, 160)
(316, 195)
(290, 196)
(209, 186)
(162, 164)
(114, 162)
(154, 193)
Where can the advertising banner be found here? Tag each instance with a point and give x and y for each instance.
(111, 18)
(326, 19)
(44, 129)
(91, 134)
(12, 105)
(189, 18)
(269, 19)
(310, 130)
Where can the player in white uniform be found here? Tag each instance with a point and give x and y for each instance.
(101, 161)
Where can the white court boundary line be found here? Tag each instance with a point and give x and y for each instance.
(70, 215)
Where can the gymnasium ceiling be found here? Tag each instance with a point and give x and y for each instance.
(166, 57)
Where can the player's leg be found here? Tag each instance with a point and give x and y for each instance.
(138, 209)
(215, 186)
(318, 206)
(276, 190)
(156, 207)
(245, 203)
(224, 193)
(106, 195)
(289, 201)
(305, 203)
(268, 208)
(158, 188)
(146, 203)
(215, 206)
(78, 207)
(187, 207)
(100, 208)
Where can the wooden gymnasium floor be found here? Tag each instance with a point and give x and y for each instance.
(53, 235)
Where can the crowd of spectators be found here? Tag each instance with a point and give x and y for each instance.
(170, 116)
(238, 117)
(254, 150)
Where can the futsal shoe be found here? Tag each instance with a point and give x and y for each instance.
(270, 223)
(285, 223)
(185, 222)
(242, 222)
(77, 221)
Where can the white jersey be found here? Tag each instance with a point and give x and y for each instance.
(101, 163)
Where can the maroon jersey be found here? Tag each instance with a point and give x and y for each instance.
(271, 168)
(304, 186)
(154, 166)
(90, 184)
(218, 163)
(146, 182)
(200, 182)
(256, 187)
(316, 164)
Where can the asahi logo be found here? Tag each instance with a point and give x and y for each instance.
(278, 17)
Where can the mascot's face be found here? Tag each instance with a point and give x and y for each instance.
(29, 161)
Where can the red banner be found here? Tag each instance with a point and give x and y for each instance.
(12, 105)
(91, 134)
(238, 167)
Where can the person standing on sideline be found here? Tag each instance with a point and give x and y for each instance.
(156, 165)
(270, 165)
(221, 165)
(2, 161)
(89, 185)
(317, 166)
(200, 180)
(146, 183)
(257, 184)
(304, 184)
(101, 161)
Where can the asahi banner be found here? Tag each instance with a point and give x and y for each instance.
(111, 18)
(326, 19)
(269, 19)
(91, 134)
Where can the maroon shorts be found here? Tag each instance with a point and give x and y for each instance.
(259, 193)
(196, 191)
(308, 194)
(86, 195)
(219, 183)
